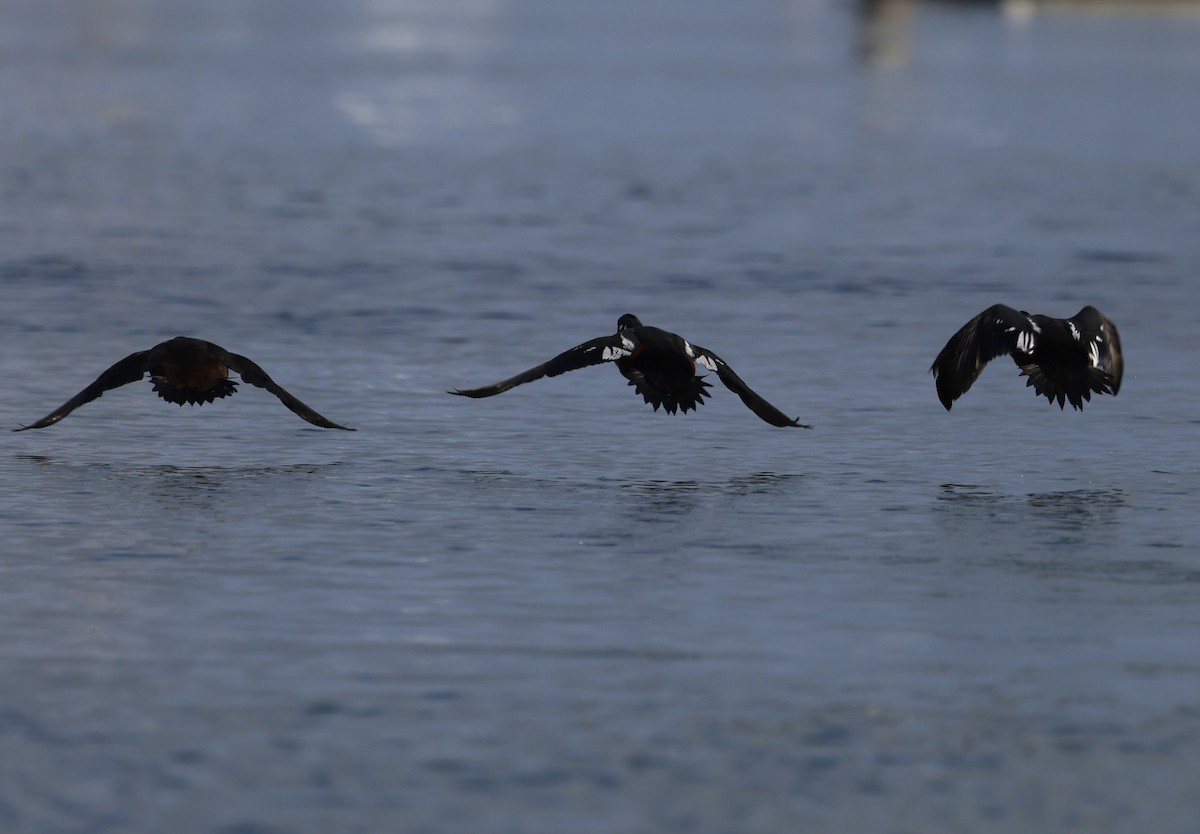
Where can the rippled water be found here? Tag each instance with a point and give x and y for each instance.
(555, 610)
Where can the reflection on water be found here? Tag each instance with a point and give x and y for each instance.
(1068, 533)
(660, 625)
(423, 102)
(1065, 517)
(1063, 503)
(761, 482)
(208, 477)
(883, 33)
(886, 29)
(176, 489)
(658, 501)
(655, 501)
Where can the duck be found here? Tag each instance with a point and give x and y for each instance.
(1064, 360)
(659, 365)
(185, 370)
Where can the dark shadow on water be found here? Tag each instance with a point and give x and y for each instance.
(761, 483)
(194, 485)
(1062, 534)
(1067, 516)
(204, 473)
(627, 504)
(119, 511)
(660, 501)
(1042, 522)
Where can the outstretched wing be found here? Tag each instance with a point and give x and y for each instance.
(254, 375)
(734, 383)
(996, 331)
(1103, 344)
(604, 349)
(130, 369)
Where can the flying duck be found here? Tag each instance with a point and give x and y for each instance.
(185, 370)
(660, 366)
(1065, 359)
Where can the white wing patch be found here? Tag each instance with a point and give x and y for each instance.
(611, 353)
(706, 360)
(1074, 330)
(1094, 353)
(1026, 341)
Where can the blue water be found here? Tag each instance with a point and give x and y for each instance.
(555, 610)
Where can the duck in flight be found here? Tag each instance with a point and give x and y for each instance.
(185, 370)
(661, 366)
(1064, 359)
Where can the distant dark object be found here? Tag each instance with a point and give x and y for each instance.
(660, 366)
(185, 370)
(1065, 359)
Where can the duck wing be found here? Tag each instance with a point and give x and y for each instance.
(130, 369)
(594, 352)
(734, 383)
(1103, 343)
(254, 375)
(996, 331)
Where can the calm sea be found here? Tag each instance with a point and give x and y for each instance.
(555, 610)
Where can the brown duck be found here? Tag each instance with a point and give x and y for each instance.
(185, 370)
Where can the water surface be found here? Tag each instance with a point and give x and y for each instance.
(556, 610)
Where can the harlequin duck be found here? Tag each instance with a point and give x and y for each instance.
(1065, 359)
(661, 366)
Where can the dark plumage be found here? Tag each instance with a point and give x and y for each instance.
(1064, 359)
(185, 370)
(660, 366)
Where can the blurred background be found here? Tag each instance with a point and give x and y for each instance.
(557, 610)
